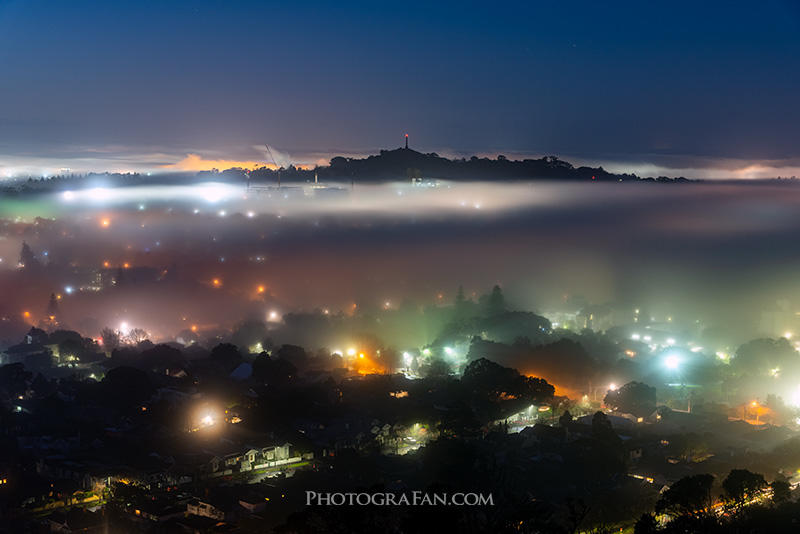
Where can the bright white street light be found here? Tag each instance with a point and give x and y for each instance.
(672, 362)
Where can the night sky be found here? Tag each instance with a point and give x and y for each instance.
(701, 89)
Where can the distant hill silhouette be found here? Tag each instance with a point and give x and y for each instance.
(400, 164)
(407, 164)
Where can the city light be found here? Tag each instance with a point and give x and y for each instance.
(478, 301)
(672, 362)
(98, 194)
(213, 193)
(794, 397)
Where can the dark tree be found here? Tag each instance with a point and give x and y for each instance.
(161, 357)
(741, 484)
(14, 378)
(494, 381)
(436, 368)
(137, 335)
(110, 339)
(52, 306)
(646, 525)
(690, 496)
(293, 354)
(781, 491)
(27, 259)
(759, 356)
(273, 370)
(225, 352)
(635, 398)
(249, 333)
(126, 386)
(496, 303)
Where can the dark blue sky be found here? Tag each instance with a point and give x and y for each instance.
(708, 87)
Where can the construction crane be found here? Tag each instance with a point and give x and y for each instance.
(277, 167)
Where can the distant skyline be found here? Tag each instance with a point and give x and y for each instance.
(701, 90)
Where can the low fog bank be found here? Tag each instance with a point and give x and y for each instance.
(721, 254)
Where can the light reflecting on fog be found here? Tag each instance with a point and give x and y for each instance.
(708, 250)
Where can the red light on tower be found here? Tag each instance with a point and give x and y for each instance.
(406, 141)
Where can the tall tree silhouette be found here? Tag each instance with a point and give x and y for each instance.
(496, 303)
(27, 259)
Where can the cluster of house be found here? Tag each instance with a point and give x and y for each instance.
(186, 513)
(275, 456)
